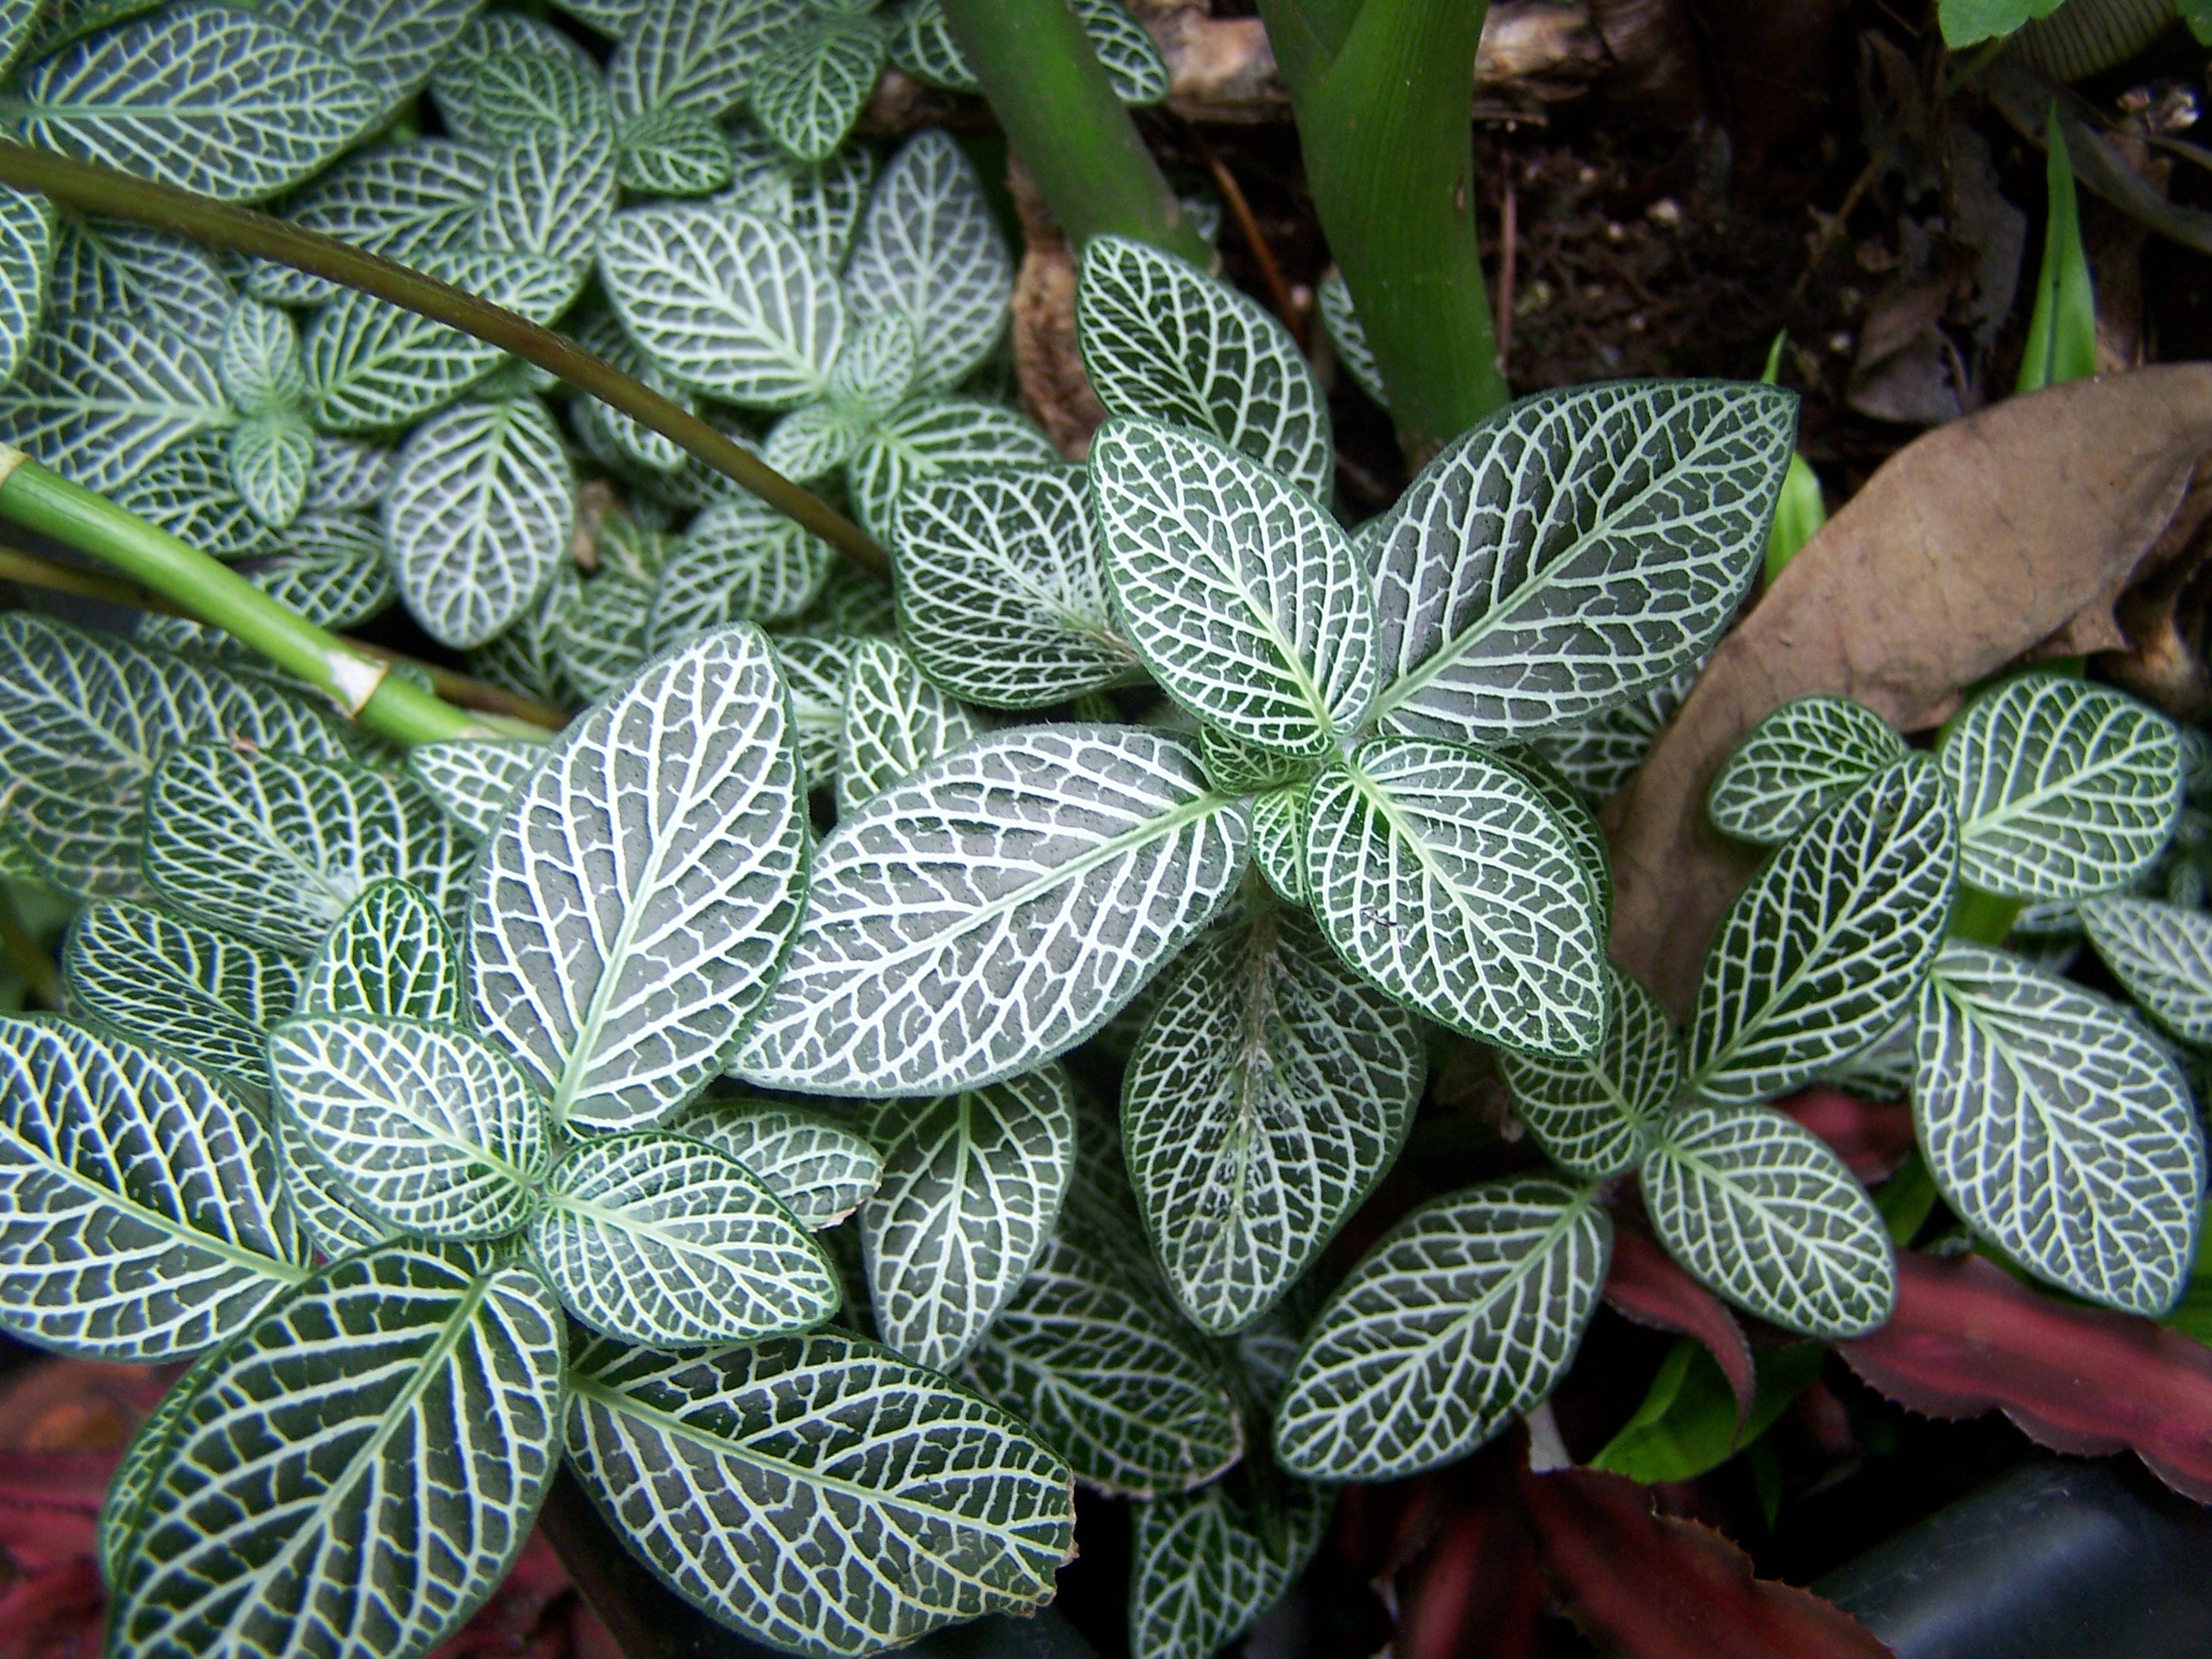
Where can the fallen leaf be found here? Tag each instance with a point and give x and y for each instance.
(1644, 1284)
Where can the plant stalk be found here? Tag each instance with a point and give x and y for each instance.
(1050, 93)
(95, 188)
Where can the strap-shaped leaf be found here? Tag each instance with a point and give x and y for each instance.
(1244, 598)
(1270, 1090)
(817, 1492)
(391, 954)
(818, 1169)
(1574, 548)
(1596, 1115)
(358, 1474)
(473, 779)
(812, 82)
(1348, 335)
(814, 673)
(553, 193)
(1278, 839)
(972, 1184)
(1001, 593)
(665, 1240)
(97, 398)
(204, 996)
(274, 847)
(1098, 1363)
(1827, 947)
(406, 201)
(2162, 953)
(138, 1206)
(1759, 1211)
(110, 268)
(393, 44)
(218, 101)
(1133, 62)
(1207, 1564)
(727, 302)
(930, 250)
(933, 436)
(1444, 877)
(1465, 1315)
(331, 570)
(429, 1129)
(696, 54)
(2065, 788)
(995, 910)
(2055, 1126)
(895, 722)
(631, 910)
(27, 249)
(1160, 338)
(1797, 763)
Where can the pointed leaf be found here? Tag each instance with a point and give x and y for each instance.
(1206, 1564)
(204, 996)
(817, 1169)
(272, 459)
(1800, 761)
(519, 91)
(599, 638)
(332, 569)
(929, 438)
(814, 79)
(390, 955)
(473, 779)
(923, 47)
(929, 250)
(331, 1218)
(1596, 1115)
(99, 397)
(1133, 63)
(2162, 953)
(823, 204)
(895, 722)
(552, 195)
(673, 152)
(877, 370)
(259, 361)
(1348, 335)
(813, 440)
(1279, 840)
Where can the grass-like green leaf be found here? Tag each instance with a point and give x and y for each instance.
(390, 955)
(1797, 763)
(895, 722)
(98, 397)
(929, 438)
(814, 79)
(206, 997)
(929, 250)
(2162, 953)
(1206, 1564)
(819, 1169)
(1596, 1115)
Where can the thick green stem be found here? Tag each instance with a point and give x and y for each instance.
(96, 189)
(1389, 153)
(1051, 94)
(41, 500)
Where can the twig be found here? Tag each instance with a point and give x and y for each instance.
(1232, 194)
(1834, 228)
(1508, 249)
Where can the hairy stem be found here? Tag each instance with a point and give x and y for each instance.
(1051, 94)
(95, 189)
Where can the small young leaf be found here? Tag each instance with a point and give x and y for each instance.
(813, 440)
(1133, 62)
(815, 669)
(189, 492)
(27, 249)
(922, 46)
(259, 361)
(1206, 1564)
(112, 268)
(1797, 763)
(738, 562)
(1279, 840)
(515, 93)
(406, 201)
(2162, 953)
(473, 779)
(1349, 336)
(673, 152)
(876, 370)
(100, 396)
(1601, 754)
(929, 250)
(813, 80)
(694, 54)
(932, 436)
(272, 459)
(1465, 1315)
(817, 1169)
(823, 204)
(393, 44)
(599, 638)
(391, 954)
(204, 996)
(1596, 1115)
(551, 196)
(895, 722)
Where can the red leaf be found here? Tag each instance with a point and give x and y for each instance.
(59, 1613)
(1966, 1338)
(1644, 1284)
(1646, 1586)
(1871, 1139)
(1478, 1580)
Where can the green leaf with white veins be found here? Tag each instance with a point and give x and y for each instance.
(812, 442)
(738, 562)
(393, 44)
(727, 302)
(405, 201)
(110, 268)
(929, 250)
(1001, 593)
(275, 847)
(814, 673)
(357, 1475)
(2055, 1126)
(1103, 1369)
(1349, 336)
(214, 100)
(1207, 1564)
(995, 910)
(929, 437)
(2065, 788)
(1800, 761)
(664, 1241)
(473, 779)
(876, 369)
(551, 196)
(972, 1184)
(812, 83)
(98, 397)
(632, 909)
(601, 334)
(694, 54)
(494, 34)
(599, 640)
(1447, 878)
(272, 460)
(2162, 953)
(1596, 1115)
(141, 1463)
(922, 46)
(823, 204)
(332, 569)
(817, 1169)
(1465, 1315)
(330, 1217)
(1125, 48)
(139, 1214)
(1759, 1211)
(204, 996)
(517, 92)
(390, 955)
(1827, 947)
(1575, 814)
(895, 722)
(188, 492)
(1572, 549)
(1278, 839)
(1244, 598)
(818, 1492)
(26, 246)
(673, 152)
(479, 514)
(1270, 1090)
(1160, 338)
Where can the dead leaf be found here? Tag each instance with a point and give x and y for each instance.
(1971, 544)
(1056, 391)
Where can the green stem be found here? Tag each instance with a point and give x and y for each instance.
(1389, 153)
(95, 189)
(41, 500)
(1050, 93)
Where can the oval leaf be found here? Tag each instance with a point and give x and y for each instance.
(1206, 1564)
(1800, 759)
(391, 954)
(2163, 954)
(818, 1169)
(929, 250)
(204, 996)
(1596, 1115)
(895, 722)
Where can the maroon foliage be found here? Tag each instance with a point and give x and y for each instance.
(1871, 1140)
(1644, 1284)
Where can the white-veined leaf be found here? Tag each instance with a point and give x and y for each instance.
(738, 562)
(2162, 953)
(392, 44)
(895, 722)
(272, 457)
(818, 1169)
(1161, 339)
(853, 603)
(1206, 1566)
(878, 367)
(99, 397)
(473, 779)
(2055, 1126)
(1349, 337)
(276, 847)
(1100, 1367)
(26, 250)
(519, 91)
(1572, 549)
(429, 1129)
(1237, 767)
(1278, 839)
(1269, 1091)
(823, 204)
(1002, 594)
(694, 54)
(817, 1492)
(204, 996)
(1601, 753)
(922, 46)
(332, 569)
(210, 99)
(1796, 763)
(525, 659)
(1464, 1315)
(112, 268)
(331, 1218)
(1759, 1211)
(357, 1475)
(932, 436)
(1596, 1115)
(553, 193)
(812, 442)
(1827, 947)
(1446, 878)
(496, 34)
(601, 334)
(814, 670)
(633, 907)
(929, 249)
(2065, 788)
(1575, 815)
(665, 1240)
(995, 910)
(972, 1183)
(139, 1211)
(811, 83)
(673, 152)
(599, 641)
(350, 475)
(406, 201)
(1133, 63)
(188, 492)
(390, 955)
(141, 1464)
(1244, 598)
